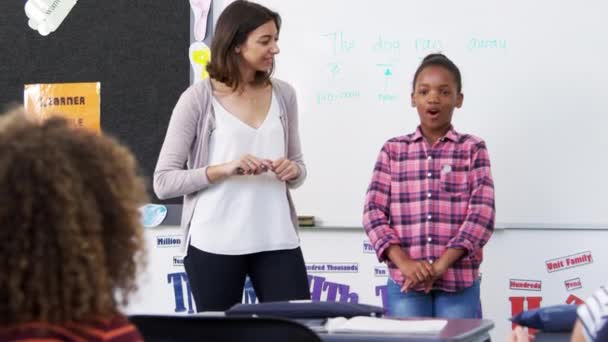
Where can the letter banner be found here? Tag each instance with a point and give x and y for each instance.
(77, 102)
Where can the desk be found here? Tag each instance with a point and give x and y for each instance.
(468, 330)
(552, 337)
(217, 327)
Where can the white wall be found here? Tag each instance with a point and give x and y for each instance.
(510, 114)
(510, 254)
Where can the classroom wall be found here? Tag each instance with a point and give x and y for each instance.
(533, 75)
(523, 268)
(343, 267)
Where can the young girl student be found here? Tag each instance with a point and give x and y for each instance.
(429, 208)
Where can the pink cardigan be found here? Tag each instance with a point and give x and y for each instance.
(187, 143)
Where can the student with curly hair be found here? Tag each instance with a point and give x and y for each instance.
(70, 236)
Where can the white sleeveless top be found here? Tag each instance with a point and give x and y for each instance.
(244, 214)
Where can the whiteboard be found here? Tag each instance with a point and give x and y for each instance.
(535, 75)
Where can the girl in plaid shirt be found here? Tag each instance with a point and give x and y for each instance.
(429, 208)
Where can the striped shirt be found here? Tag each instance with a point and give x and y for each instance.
(594, 316)
(429, 198)
(117, 329)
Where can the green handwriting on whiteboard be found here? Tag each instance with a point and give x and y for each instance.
(384, 98)
(425, 44)
(338, 42)
(386, 72)
(326, 97)
(385, 45)
(334, 69)
(486, 44)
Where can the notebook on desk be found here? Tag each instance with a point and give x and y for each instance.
(306, 309)
(363, 324)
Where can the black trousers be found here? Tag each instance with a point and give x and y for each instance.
(217, 280)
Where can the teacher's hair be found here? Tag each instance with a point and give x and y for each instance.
(233, 26)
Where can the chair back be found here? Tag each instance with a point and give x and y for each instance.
(156, 328)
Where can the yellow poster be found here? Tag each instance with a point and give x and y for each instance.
(78, 102)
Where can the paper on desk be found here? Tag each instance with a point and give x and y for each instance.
(383, 325)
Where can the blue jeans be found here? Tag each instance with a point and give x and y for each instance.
(437, 303)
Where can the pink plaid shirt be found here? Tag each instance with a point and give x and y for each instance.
(427, 199)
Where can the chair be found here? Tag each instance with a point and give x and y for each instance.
(221, 329)
(552, 337)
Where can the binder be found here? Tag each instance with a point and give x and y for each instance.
(298, 309)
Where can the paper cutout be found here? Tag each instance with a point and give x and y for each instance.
(45, 16)
(201, 14)
(152, 215)
(200, 55)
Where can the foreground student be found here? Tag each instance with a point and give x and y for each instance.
(70, 236)
(429, 208)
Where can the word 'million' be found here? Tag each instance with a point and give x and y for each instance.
(168, 241)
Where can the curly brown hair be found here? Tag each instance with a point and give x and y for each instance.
(70, 237)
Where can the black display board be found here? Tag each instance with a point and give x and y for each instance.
(136, 49)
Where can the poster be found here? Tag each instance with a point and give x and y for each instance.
(78, 102)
